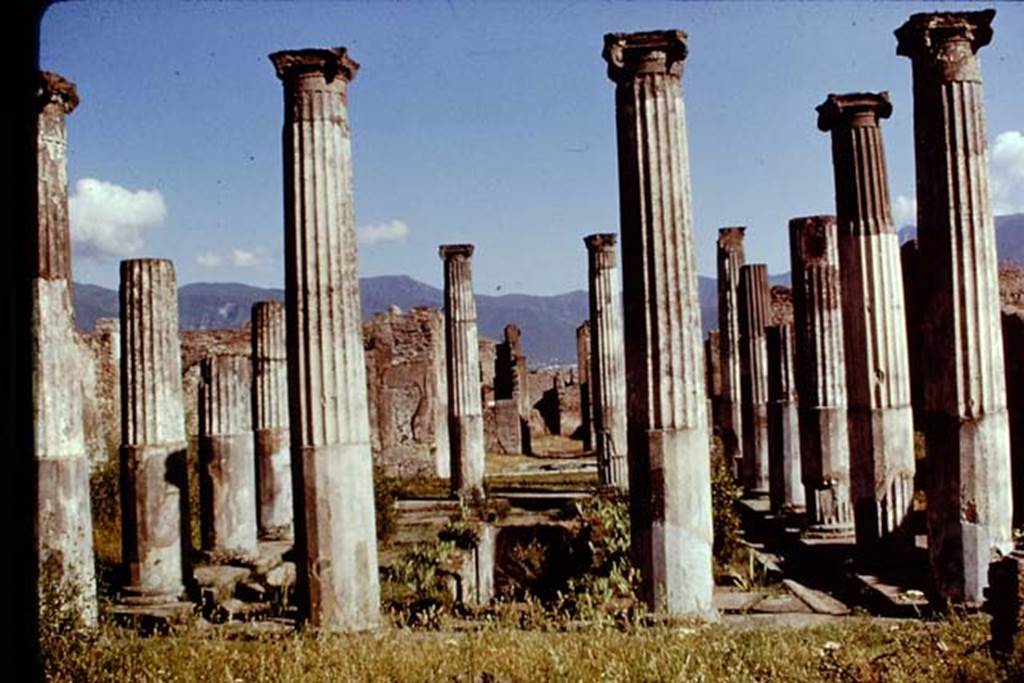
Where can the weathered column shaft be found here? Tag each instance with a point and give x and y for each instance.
(608, 361)
(332, 465)
(63, 523)
(1013, 344)
(583, 351)
(821, 376)
(669, 459)
(730, 260)
(270, 420)
(753, 301)
(713, 380)
(154, 481)
(908, 264)
(465, 415)
(786, 491)
(966, 424)
(227, 459)
(875, 333)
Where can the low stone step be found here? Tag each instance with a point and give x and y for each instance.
(817, 601)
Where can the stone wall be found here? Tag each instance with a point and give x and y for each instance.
(408, 392)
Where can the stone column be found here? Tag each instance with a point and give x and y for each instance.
(270, 420)
(874, 326)
(1013, 344)
(908, 265)
(669, 458)
(583, 348)
(608, 362)
(713, 380)
(754, 309)
(730, 260)
(332, 465)
(821, 378)
(63, 524)
(465, 416)
(966, 429)
(786, 491)
(154, 477)
(227, 458)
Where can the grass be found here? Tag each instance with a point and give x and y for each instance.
(856, 650)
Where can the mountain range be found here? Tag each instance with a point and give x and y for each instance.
(548, 323)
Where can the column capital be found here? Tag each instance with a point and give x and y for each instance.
(450, 251)
(731, 237)
(647, 52)
(600, 241)
(809, 236)
(853, 110)
(55, 89)
(946, 43)
(331, 62)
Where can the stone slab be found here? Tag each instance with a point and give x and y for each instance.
(891, 599)
(817, 601)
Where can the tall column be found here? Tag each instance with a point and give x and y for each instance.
(270, 420)
(877, 372)
(754, 309)
(155, 534)
(63, 524)
(908, 265)
(608, 361)
(227, 458)
(332, 465)
(966, 424)
(465, 415)
(1013, 345)
(786, 491)
(713, 380)
(583, 370)
(821, 378)
(669, 458)
(730, 260)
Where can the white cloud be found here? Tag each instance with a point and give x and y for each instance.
(243, 258)
(238, 258)
(208, 259)
(392, 231)
(1007, 173)
(904, 211)
(110, 220)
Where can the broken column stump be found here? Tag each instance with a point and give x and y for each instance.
(669, 456)
(270, 421)
(786, 491)
(227, 459)
(154, 482)
(821, 378)
(754, 309)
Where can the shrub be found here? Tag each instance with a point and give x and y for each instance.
(384, 494)
(725, 494)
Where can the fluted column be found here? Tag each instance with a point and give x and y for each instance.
(669, 458)
(227, 459)
(786, 491)
(465, 415)
(583, 349)
(155, 534)
(821, 376)
(754, 304)
(63, 524)
(874, 325)
(966, 424)
(270, 420)
(730, 260)
(608, 362)
(332, 465)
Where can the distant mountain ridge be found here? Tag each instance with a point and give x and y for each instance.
(548, 322)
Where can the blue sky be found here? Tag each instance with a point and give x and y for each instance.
(491, 123)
